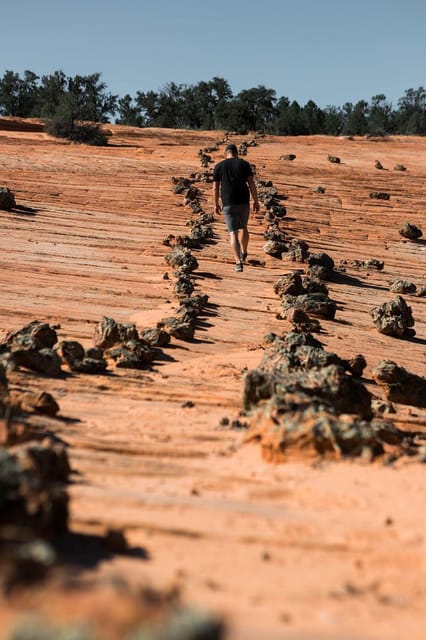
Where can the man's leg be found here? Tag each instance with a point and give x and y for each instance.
(244, 241)
(235, 245)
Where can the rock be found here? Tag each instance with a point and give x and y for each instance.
(290, 284)
(378, 164)
(155, 337)
(402, 286)
(106, 333)
(357, 365)
(333, 159)
(394, 318)
(288, 156)
(311, 432)
(298, 251)
(274, 248)
(40, 402)
(41, 333)
(44, 361)
(319, 189)
(316, 304)
(182, 259)
(400, 385)
(132, 354)
(410, 231)
(321, 258)
(7, 199)
(31, 505)
(400, 167)
(379, 195)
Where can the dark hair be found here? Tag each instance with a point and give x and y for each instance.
(231, 148)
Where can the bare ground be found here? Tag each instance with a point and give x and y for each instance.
(298, 550)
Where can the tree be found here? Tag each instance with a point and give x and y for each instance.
(355, 118)
(129, 113)
(19, 97)
(312, 118)
(94, 103)
(51, 92)
(411, 114)
(333, 121)
(254, 108)
(380, 116)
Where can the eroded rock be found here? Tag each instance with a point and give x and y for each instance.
(394, 318)
(410, 231)
(399, 384)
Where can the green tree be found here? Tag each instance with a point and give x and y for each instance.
(312, 118)
(380, 116)
(128, 112)
(19, 96)
(94, 102)
(411, 114)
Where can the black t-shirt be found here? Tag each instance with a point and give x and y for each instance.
(232, 174)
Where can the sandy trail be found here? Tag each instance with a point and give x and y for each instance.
(332, 551)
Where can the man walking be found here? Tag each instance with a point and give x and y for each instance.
(233, 180)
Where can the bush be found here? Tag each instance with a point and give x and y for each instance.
(64, 123)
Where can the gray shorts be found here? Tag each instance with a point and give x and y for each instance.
(236, 216)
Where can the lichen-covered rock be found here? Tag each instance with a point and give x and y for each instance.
(312, 432)
(182, 259)
(321, 265)
(402, 286)
(109, 333)
(41, 335)
(298, 251)
(394, 318)
(132, 354)
(274, 248)
(399, 384)
(155, 337)
(316, 304)
(410, 231)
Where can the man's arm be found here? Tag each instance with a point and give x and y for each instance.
(216, 191)
(253, 191)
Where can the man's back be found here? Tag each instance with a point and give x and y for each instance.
(232, 174)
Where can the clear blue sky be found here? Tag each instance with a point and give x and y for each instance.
(330, 51)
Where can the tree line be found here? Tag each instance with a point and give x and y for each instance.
(207, 105)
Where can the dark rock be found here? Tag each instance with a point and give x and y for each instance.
(333, 159)
(288, 156)
(33, 506)
(357, 365)
(319, 189)
(155, 337)
(316, 304)
(182, 259)
(394, 318)
(379, 195)
(289, 284)
(274, 248)
(402, 286)
(7, 199)
(298, 251)
(106, 333)
(400, 167)
(378, 164)
(410, 231)
(132, 354)
(400, 385)
(44, 361)
(41, 333)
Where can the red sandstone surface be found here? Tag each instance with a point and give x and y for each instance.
(332, 550)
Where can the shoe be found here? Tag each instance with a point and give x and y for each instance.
(239, 266)
(243, 256)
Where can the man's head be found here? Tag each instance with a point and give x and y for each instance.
(231, 151)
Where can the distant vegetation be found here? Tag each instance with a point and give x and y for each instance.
(70, 104)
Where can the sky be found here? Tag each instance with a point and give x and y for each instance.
(328, 51)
